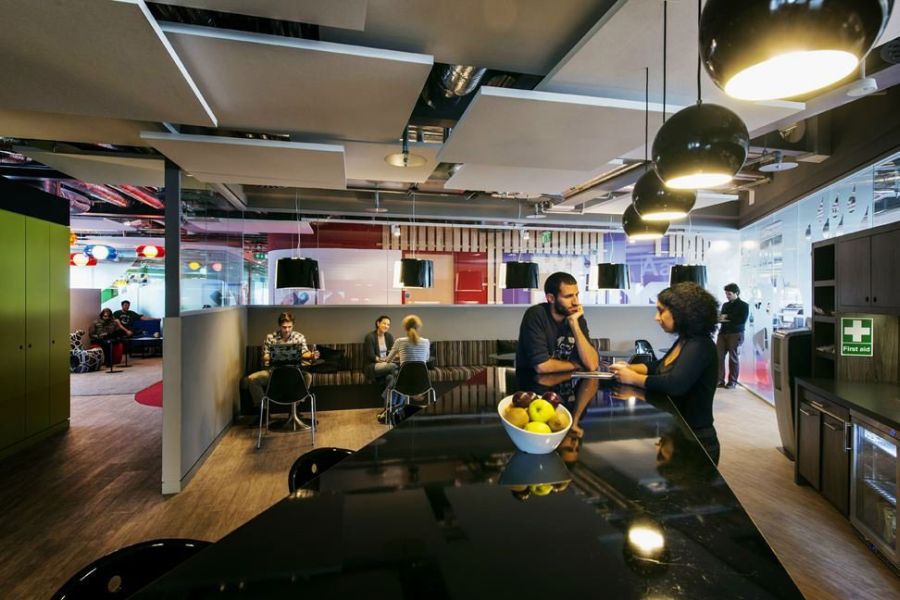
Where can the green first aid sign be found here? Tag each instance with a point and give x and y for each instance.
(857, 337)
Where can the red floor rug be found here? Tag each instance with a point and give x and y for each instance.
(151, 396)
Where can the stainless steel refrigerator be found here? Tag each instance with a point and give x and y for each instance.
(873, 485)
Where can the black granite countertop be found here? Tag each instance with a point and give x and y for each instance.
(879, 401)
(444, 506)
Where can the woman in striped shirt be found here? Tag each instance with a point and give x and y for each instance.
(412, 348)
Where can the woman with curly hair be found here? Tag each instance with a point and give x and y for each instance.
(688, 371)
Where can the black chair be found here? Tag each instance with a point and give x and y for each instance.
(125, 571)
(412, 381)
(306, 469)
(287, 387)
(643, 353)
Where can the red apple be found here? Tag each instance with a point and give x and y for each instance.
(552, 397)
(523, 399)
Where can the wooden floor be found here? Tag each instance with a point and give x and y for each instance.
(96, 488)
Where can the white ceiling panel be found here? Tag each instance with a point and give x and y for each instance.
(893, 27)
(95, 224)
(249, 226)
(522, 128)
(33, 125)
(366, 161)
(102, 169)
(346, 14)
(522, 36)
(317, 89)
(216, 159)
(94, 57)
(610, 60)
(472, 176)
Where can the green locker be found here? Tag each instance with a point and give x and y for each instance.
(59, 323)
(12, 329)
(37, 325)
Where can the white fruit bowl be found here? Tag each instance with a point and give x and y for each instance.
(530, 442)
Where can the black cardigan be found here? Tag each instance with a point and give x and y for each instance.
(370, 346)
(690, 381)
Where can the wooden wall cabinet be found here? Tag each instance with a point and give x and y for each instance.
(34, 324)
(868, 272)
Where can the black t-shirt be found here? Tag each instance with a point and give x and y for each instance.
(542, 338)
(127, 317)
(737, 311)
(690, 380)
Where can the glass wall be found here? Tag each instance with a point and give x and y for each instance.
(775, 256)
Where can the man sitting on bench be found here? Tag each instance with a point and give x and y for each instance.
(285, 334)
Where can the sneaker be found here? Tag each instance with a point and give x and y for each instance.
(382, 417)
(721, 384)
(730, 386)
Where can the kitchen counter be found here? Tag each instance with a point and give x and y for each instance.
(443, 506)
(879, 401)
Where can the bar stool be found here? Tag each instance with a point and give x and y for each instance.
(309, 466)
(127, 570)
(412, 380)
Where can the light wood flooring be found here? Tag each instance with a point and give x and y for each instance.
(96, 488)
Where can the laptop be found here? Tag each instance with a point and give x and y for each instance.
(285, 354)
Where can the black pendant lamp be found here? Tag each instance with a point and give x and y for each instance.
(655, 202)
(297, 272)
(701, 146)
(763, 50)
(416, 273)
(638, 229)
(693, 273)
(613, 276)
(523, 275)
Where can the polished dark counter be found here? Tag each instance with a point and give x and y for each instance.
(880, 401)
(443, 506)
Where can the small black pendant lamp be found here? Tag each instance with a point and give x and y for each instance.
(613, 276)
(297, 272)
(416, 273)
(763, 50)
(523, 275)
(701, 146)
(638, 229)
(694, 273)
(655, 202)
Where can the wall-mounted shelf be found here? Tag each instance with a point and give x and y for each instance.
(824, 283)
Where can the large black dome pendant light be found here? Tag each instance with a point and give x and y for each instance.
(296, 271)
(701, 146)
(763, 50)
(638, 229)
(652, 200)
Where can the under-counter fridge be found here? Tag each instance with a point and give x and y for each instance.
(873, 485)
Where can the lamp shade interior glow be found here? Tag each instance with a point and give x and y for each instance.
(696, 181)
(791, 74)
(638, 229)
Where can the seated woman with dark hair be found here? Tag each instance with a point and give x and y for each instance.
(688, 371)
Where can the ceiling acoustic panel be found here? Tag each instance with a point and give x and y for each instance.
(523, 128)
(314, 90)
(34, 125)
(344, 14)
(214, 159)
(521, 36)
(610, 60)
(111, 170)
(472, 176)
(104, 58)
(366, 161)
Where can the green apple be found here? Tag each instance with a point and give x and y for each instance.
(517, 416)
(541, 489)
(541, 411)
(538, 427)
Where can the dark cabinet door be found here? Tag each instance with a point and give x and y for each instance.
(853, 276)
(835, 463)
(808, 444)
(886, 271)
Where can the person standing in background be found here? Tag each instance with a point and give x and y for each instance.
(733, 319)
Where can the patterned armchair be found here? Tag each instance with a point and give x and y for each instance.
(81, 359)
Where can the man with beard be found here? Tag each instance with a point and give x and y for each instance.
(553, 336)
